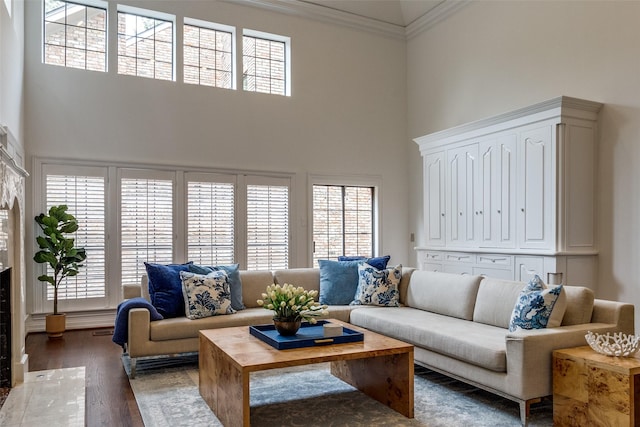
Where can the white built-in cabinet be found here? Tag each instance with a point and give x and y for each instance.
(514, 195)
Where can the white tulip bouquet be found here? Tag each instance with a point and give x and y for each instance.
(291, 303)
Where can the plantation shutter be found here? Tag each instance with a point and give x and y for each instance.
(210, 219)
(146, 221)
(85, 197)
(268, 224)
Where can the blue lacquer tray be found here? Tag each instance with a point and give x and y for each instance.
(308, 336)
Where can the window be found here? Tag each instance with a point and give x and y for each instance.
(211, 219)
(75, 34)
(266, 63)
(146, 223)
(161, 215)
(83, 192)
(208, 54)
(145, 43)
(343, 221)
(268, 225)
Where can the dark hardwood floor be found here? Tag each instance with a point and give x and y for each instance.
(109, 399)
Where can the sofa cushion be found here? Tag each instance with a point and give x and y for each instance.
(338, 281)
(254, 284)
(235, 283)
(443, 293)
(538, 306)
(404, 283)
(580, 302)
(206, 295)
(308, 278)
(377, 262)
(180, 327)
(165, 288)
(475, 343)
(378, 287)
(495, 301)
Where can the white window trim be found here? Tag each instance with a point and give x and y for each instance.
(155, 15)
(374, 181)
(42, 168)
(218, 27)
(287, 52)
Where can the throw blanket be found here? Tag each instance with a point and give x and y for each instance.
(121, 330)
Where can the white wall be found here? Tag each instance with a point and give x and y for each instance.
(346, 115)
(11, 68)
(492, 57)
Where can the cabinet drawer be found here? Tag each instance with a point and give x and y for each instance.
(496, 273)
(457, 269)
(430, 266)
(494, 259)
(459, 257)
(430, 256)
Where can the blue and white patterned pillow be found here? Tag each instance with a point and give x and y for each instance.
(538, 306)
(206, 295)
(378, 287)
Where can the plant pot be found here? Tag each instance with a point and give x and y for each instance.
(287, 327)
(55, 325)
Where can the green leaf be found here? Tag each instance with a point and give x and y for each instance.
(70, 227)
(45, 278)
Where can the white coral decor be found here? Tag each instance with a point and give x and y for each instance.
(618, 344)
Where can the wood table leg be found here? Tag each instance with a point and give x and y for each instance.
(223, 386)
(388, 379)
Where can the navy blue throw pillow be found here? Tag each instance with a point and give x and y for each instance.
(165, 288)
(379, 263)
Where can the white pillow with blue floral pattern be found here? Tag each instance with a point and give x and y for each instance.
(538, 306)
(206, 295)
(378, 287)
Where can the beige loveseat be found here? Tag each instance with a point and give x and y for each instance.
(457, 323)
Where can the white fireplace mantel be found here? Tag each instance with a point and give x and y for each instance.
(12, 198)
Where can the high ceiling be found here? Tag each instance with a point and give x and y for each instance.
(396, 12)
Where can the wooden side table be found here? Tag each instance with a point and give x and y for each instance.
(592, 389)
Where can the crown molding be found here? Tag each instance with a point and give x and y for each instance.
(439, 13)
(325, 14)
(334, 16)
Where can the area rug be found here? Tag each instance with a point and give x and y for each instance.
(167, 395)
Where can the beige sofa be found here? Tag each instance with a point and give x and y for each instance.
(457, 323)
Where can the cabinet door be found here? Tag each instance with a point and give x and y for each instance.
(535, 188)
(434, 198)
(496, 203)
(462, 173)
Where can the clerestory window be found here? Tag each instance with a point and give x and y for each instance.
(209, 51)
(145, 43)
(266, 60)
(75, 34)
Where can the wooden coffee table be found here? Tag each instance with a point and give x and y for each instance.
(379, 366)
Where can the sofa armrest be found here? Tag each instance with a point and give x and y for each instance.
(139, 329)
(619, 313)
(529, 354)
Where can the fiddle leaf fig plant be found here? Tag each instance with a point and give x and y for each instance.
(57, 250)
